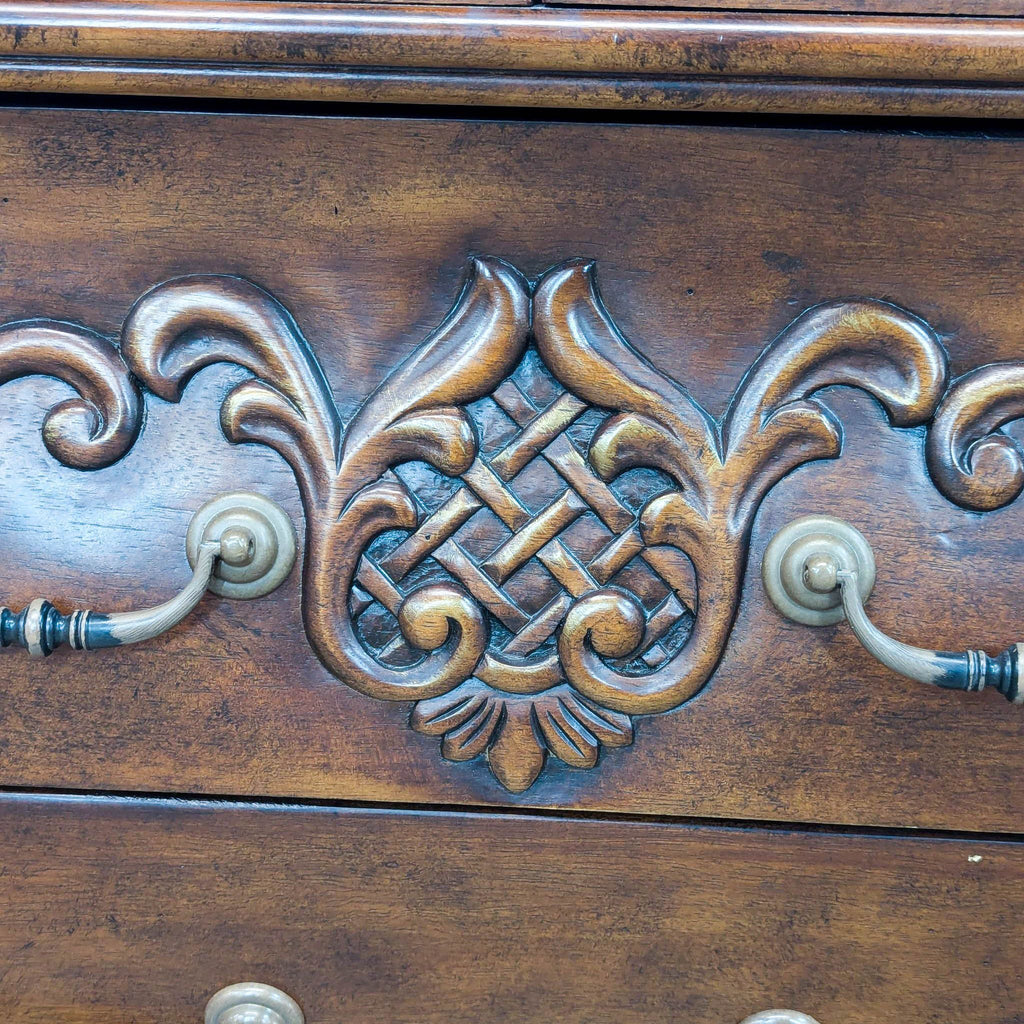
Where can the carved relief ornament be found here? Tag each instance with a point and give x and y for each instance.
(528, 530)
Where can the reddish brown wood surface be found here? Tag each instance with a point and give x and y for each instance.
(708, 242)
(129, 911)
(957, 8)
(531, 90)
(906, 8)
(654, 42)
(771, 62)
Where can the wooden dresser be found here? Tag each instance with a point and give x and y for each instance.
(487, 464)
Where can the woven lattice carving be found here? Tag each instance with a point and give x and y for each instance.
(527, 529)
(528, 532)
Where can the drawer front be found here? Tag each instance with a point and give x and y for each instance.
(531, 566)
(393, 916)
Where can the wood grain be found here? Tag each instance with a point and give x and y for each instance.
(499, 89)
(654, 42)
(905, 8)
(537, 56)
(595, 593)
(708, 243)
(121, 911)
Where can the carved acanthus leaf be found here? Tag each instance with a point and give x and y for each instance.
(179, 327)
(474, 720)
(722, 471)
(773, 423)
(659, 424)
(415, 414)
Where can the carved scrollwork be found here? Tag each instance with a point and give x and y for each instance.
(348, 492)
(721, 470)
(99, 426)
(527, 530)
(970, 459)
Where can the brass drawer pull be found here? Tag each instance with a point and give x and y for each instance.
(779, 1017)
(239, 545)
(819, 570)
(252, 1003)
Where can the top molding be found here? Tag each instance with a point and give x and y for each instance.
(518, 57)
(959, 8)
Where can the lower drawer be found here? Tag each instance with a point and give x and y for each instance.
(116, 910)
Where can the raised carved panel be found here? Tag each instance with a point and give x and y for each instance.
(527, 530)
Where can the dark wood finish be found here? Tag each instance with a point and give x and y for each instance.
(969, 455)
(906, 8)
(694, 60)
(704, 252)
(621, 93)
(659, 43)
(522, 617)
(137, 911)
(533, 512)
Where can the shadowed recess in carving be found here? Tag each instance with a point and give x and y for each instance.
(527, 530)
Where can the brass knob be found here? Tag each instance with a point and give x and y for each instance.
(779, 1017)
(257, 543)
(800, 566)
(249, 1002)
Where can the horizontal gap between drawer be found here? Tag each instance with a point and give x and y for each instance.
(487, 811)
(946, 127)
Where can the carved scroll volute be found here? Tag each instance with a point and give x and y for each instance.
(412, 416)
(773, 424)
(971, 461)
(656, 424)
(348, 496)
(186, 324)
(99, 426)
(722, 470)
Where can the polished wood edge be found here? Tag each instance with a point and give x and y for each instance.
(711, 96)
(949, 8)
(530, 57)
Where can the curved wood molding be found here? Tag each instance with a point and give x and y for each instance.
(958, 8)
(535, 56)
(971, 460)
(100, 426)
(527, 531)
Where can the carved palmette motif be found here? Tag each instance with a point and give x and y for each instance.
(528, 531)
